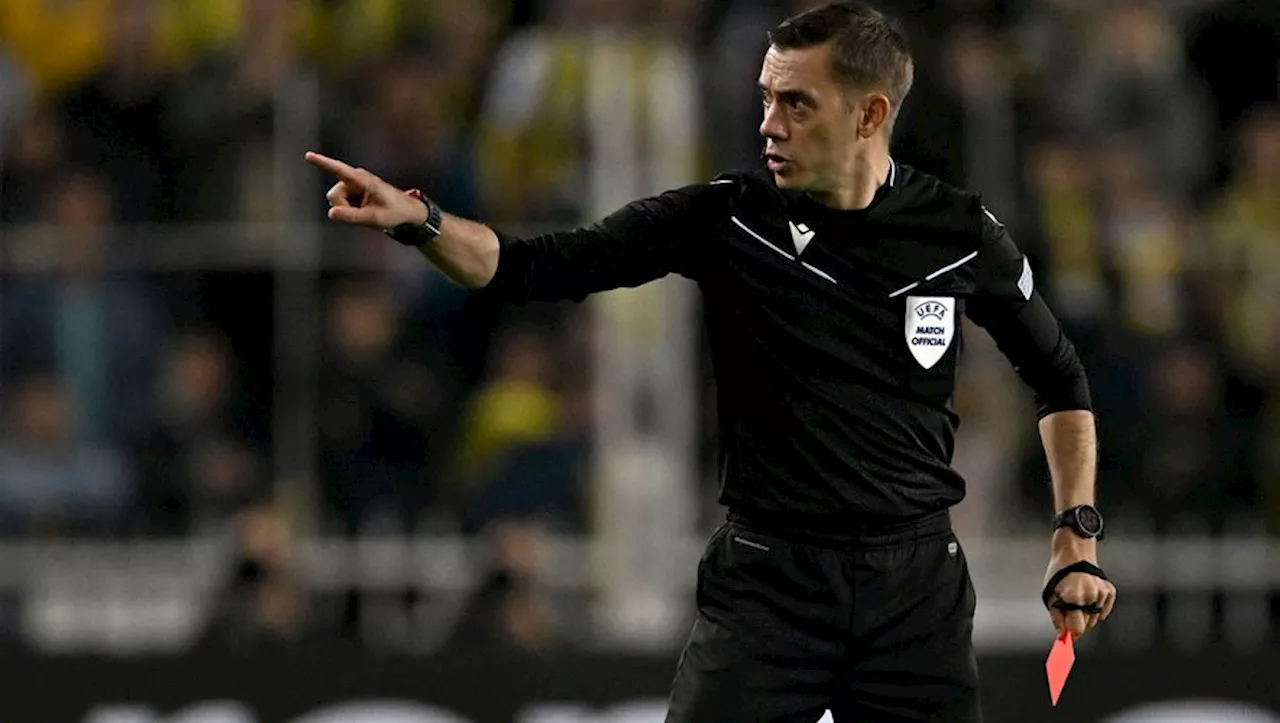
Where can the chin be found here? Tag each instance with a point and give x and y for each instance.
(789, 181)
(792, 177)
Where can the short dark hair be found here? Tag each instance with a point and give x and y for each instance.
(868, 49)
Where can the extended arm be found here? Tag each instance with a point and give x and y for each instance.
(643, 241)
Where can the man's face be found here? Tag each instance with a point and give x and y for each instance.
(810, 127)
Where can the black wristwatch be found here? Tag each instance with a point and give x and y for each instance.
(1084, 520)
(417, 235)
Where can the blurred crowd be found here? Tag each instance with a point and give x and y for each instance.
(1132, 146)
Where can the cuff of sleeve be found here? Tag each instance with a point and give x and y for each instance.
(506, 273)
(1073, 396)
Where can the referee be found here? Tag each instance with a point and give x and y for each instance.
(833, 281)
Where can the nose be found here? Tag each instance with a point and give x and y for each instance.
(774, 126)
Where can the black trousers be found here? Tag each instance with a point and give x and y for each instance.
(876, 630)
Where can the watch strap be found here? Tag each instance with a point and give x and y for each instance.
(418, 235)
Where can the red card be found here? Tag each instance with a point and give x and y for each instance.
(1058, 666)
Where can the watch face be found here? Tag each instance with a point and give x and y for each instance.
(1090, 520)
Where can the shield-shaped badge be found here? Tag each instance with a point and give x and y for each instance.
(930, 325)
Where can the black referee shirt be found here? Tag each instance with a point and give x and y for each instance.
(834, 334)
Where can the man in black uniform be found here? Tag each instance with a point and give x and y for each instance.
(833, 286)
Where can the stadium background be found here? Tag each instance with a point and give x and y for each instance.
(254, 468)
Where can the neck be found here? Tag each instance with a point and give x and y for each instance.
(860, 184)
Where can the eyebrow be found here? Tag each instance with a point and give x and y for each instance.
(789, 94)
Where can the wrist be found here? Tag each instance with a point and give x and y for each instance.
(421, 212)
(1065, 503)
(1066, 540)
(424, 224)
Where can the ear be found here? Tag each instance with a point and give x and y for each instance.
(875, 114)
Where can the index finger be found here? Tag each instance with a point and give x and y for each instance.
(332, 165)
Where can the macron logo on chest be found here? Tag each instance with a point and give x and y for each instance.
(801, 235)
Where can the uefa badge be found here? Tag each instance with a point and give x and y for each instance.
(930, 324)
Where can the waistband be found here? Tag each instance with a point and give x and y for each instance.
(857, 536)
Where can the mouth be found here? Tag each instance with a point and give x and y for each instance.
(777, 162)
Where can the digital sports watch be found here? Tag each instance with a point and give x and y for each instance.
(419, 235)
(1084, 520)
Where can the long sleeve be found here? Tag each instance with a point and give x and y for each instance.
(1010, 308)
(643, 241)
